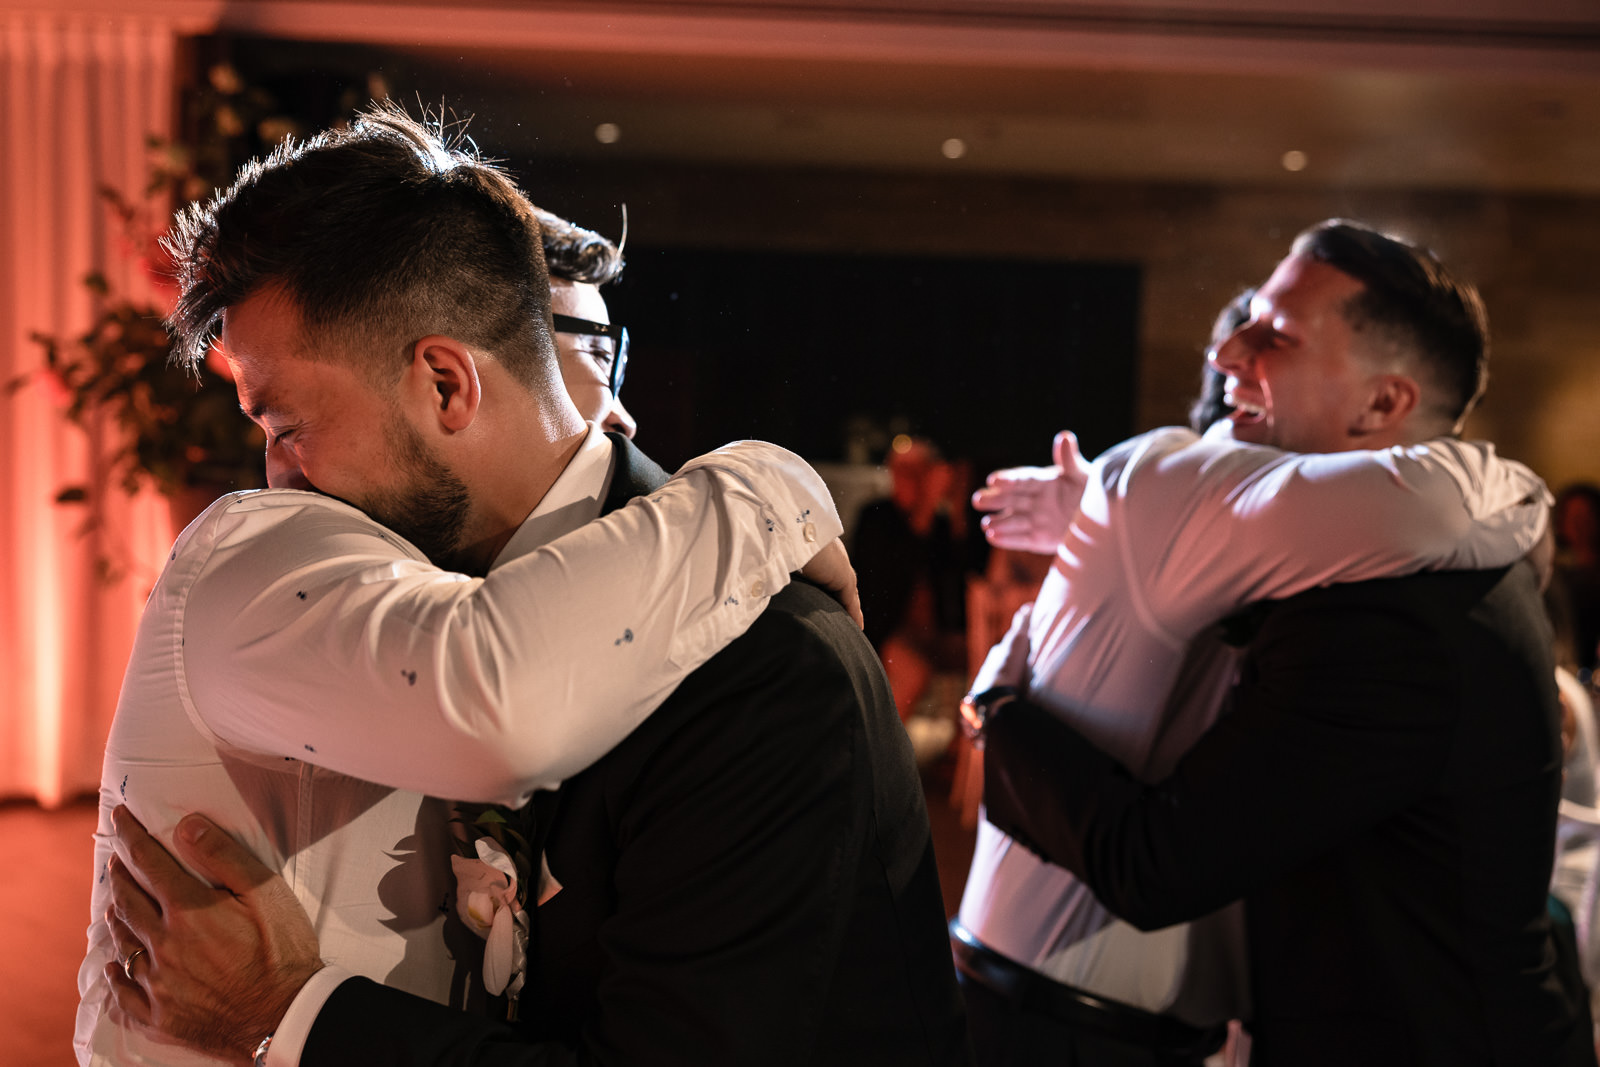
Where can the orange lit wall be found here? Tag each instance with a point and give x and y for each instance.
(77, 97)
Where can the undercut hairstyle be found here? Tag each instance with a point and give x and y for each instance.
(575, 254)
(1410, 299)
(381, 233)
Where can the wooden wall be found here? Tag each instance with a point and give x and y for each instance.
(1536, 259)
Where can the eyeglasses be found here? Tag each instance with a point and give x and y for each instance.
(619, 342)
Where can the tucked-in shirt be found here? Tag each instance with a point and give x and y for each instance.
(1175, 532)
(307, 679)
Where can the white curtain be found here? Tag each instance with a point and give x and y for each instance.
(78, 96)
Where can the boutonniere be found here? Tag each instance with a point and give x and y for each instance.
(492, 878)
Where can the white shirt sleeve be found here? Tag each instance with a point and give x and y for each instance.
(1257, 523)
(289, 1039)
(313, 633)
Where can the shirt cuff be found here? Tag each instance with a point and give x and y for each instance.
(289, 1040)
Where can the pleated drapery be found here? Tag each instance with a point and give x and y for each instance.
(78, 97)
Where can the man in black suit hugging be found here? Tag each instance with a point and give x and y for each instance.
(1382, 793)
(748, 878)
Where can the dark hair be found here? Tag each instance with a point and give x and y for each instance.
(382, 233)
(1210, 406)
(1415, 302)
(576, 254)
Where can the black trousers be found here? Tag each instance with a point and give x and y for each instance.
(1006, 1034)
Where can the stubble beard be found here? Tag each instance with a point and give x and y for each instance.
(430, 509)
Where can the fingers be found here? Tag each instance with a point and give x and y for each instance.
(1018, 531)
(831, 568)
(1065, 450)
(131, 998)
(131, 904)
(992, 497)
(132, 953)
(123, 939)
(851, 600)
(150, 863)
(1005, 531)
(131, 957)
(217, 857)
(1015, 487)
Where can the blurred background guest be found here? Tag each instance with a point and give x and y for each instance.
(1577, 577)
(910, 553)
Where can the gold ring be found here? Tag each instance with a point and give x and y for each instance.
(127, 964)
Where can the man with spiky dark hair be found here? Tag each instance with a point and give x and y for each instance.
(738, 860)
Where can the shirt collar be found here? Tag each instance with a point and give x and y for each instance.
(572, 501)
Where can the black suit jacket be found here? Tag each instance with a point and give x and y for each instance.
(747, 879)
(1382, 795)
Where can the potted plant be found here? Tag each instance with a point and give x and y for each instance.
(181, 432)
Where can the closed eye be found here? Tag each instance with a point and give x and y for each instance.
(601, 354)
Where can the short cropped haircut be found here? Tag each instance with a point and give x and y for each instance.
(1410, 298)
(381, 233)
(575, 254)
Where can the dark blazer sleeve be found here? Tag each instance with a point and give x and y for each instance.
(1343, 716)
(740, 821)
(740, 825)
(364, 1022)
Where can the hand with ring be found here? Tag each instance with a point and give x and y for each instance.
(216, 967)
(127, 963)
(1029, 508)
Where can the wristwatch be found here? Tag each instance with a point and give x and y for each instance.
(977, 707)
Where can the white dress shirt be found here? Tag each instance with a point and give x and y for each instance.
(307, 679)
(1175, 532)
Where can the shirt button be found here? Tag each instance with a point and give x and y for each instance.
(759, 589)
(809, 531)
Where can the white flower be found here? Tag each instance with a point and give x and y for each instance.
(505, 957)
(486, 900)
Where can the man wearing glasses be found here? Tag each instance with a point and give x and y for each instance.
(593, 350)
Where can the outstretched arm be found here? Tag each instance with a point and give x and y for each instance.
(1029, 507)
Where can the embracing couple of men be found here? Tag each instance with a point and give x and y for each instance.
(459, 588)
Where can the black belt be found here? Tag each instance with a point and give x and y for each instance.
(1077, 1008)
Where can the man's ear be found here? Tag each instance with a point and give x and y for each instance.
(1391, 400)
(446, 374)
